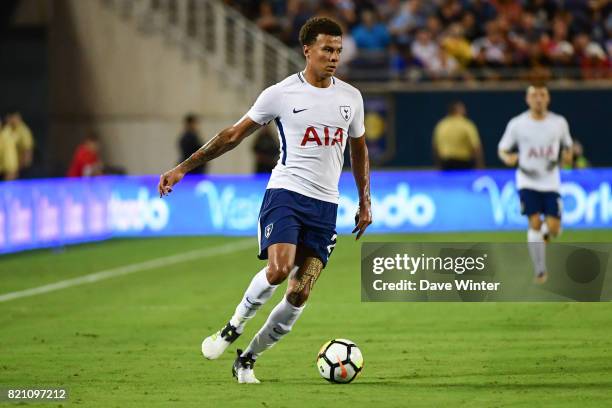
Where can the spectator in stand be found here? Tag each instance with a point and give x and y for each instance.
(349, 51)
(590, 57)
(450, 12)
(23, 138)
(190, 141)
(456, 45)
(443, 66)
(509, 39)
(509, 9)
(557, 48)
(267, 21)
(482, 10)
(298, 13)
(434, 26)
(388, 10)
(397, 63)
(595, 64)
(407, 19)
(469, 26)
(491, 50)
(424, 49)
(371, 35)
(523, 35)
(86, 160)
(543, 10)
(537, 64)
(346, 10)
(456, 144)
(9, 154)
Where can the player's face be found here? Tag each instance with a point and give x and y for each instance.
(323, 55)
(538, 99)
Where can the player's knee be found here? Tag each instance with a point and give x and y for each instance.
(535, 223)
(278, 272)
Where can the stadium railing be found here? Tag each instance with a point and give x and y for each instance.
(217, 35)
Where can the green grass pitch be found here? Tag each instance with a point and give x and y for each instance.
(134, 340)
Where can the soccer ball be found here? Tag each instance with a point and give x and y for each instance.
(339, 361)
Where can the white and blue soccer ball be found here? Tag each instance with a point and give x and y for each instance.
(339, 361)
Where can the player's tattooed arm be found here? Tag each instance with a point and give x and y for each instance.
(223, 142)
(360, 163)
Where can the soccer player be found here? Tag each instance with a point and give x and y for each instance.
(316, 115)
(541, 137)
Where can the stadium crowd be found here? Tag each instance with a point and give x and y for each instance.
(455, 39)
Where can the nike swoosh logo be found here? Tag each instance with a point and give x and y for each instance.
(299, 110)
(343, 371)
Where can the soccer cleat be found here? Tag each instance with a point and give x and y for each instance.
(213, 346)
(242, 369)
(541, 277)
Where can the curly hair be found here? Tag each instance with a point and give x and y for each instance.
(318, 25)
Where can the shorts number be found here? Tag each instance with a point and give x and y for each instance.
(330, 247)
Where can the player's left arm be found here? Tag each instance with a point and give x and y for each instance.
(567, 155)
(360, 163)
(507, 142)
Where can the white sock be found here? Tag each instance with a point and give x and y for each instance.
(280, 322)
(258, 293)
(544, 228)
(537, 250)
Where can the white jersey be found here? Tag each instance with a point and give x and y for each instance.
(314, 125)
(539, 143)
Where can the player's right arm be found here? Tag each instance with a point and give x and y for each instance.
(266, 107)
(567, 155)
(223, 142)
(510, 159)
(506, 144)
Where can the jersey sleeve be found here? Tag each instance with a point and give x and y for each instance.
(267, 106)
(357, 126)
(508, 140)
(566, 138)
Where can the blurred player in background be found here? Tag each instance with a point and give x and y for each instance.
(316, 115)
(541, 137)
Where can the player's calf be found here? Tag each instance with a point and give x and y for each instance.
(303, 280)
(552, 227)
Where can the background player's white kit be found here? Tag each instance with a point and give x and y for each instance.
(539, 143)
(542, 138)
(313, 125)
